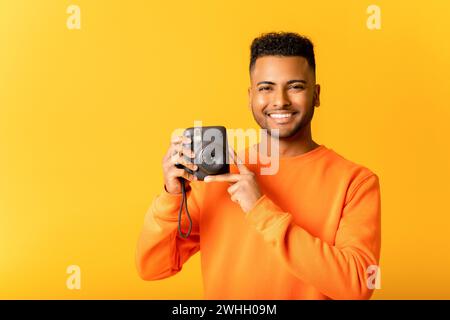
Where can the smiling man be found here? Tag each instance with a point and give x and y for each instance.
(310, 231)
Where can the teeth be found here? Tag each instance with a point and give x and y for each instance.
(280, 115)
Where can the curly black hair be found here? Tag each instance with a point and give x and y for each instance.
(282, 44)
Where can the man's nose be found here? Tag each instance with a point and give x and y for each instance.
(281, 99)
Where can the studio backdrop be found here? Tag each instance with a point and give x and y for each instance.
(90, 92)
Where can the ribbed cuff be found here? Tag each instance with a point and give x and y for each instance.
(167, 204)
(265, 214)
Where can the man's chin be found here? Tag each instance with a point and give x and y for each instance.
(283, 133)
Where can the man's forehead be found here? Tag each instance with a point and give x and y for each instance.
(280, 67)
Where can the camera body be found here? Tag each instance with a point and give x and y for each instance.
(210, 147)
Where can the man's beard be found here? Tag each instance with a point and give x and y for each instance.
(282, 134)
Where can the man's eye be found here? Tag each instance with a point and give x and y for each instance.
(264, 89)
(298, 87)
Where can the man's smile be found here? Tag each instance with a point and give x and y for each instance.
(281, 117)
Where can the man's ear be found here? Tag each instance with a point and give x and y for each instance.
(317, 95)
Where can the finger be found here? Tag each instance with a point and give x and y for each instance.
(177, 159)
(186, 175)
(233, 188)
(239, 163)
(173, 150)
(180, 139)
(180, 150)
(174, 155)
(188, 152)
(228, 177)
(183, 174)
(234, 198)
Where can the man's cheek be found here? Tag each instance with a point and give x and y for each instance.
(301, 105)
(301, 99)
(261, 101)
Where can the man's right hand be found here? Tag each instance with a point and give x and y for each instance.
(175, 155)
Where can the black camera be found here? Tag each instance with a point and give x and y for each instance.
(210, 147)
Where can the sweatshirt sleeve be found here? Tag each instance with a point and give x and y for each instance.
(161, 252)
(339, 271)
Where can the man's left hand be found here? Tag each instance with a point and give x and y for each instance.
(244, 189)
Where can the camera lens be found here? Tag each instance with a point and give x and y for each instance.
(212, 158)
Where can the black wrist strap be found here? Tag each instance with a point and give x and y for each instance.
(184, 204)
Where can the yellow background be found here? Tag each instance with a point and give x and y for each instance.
(86, 115)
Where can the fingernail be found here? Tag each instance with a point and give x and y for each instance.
(195, 167)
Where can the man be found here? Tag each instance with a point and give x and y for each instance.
(310, 231)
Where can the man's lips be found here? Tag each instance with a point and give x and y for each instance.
(281, 117)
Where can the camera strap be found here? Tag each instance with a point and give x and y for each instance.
(184, 204)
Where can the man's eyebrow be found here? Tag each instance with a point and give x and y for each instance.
(293, 81)
(265, 82)
(289, 82)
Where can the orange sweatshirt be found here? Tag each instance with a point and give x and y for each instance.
(312, 235)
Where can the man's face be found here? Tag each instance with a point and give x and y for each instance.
(283, 94)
